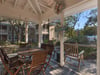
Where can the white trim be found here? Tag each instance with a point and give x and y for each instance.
(76, 8)
(79, 7)
(40, 35)
(98, 40)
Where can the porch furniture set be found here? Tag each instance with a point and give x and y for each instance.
(34, 61)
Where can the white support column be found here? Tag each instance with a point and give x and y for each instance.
(62, 41)
(7, 33)
(26, 32)
(1, 32)
(98, 40)
(40, 35)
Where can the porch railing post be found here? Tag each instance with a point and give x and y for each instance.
(98, 40)
(26, 32)
(40, 35)
(62, 41)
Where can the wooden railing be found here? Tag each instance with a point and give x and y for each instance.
(82, 45)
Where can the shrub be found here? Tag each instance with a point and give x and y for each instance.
(5, 43)
(88, 51)
(46, 41)
(78, 39)
(57, 43)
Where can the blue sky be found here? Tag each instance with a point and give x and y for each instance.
(82, 20)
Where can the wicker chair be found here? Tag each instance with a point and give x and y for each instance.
(10, 64)
(71, 52)
(38, 62)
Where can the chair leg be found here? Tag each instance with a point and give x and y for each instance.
(79, 65)
(23, 70)
(29, 71)
(83, 60)
(43, 72)
(6, 73)
(65, 59)
(48, 63)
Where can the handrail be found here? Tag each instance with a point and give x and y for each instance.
(83, 45)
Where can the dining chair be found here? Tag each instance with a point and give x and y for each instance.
(38, 62)
(11, 65)
(50, 48)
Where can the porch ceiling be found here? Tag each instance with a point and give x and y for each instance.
(36, 10)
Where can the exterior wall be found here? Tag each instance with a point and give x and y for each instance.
(52, 33)
(6, 33)
(3, 32)
(45, 32)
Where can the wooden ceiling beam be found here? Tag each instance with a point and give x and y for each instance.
(19, 13)
(37, 3)
(2, 1)
(44, 6)
(31, 5)
(15, 2)
(25, 5)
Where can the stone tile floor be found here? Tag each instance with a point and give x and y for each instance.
(88, 69)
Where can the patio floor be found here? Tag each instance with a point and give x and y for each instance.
(88, 69)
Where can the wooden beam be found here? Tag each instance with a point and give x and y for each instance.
(2, 1)
(31, 5)
(44, 6)
(37, 3)
(25, 5)
(15, 3)
(13, 13)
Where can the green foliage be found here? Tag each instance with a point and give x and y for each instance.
(2, 43)
(92, 17)
(90, 30)
(34, 45)
(70, 32)
(46, 41)
(78, 39)
(57, 43)
(5, 43)
(72, 20)
(88, 51)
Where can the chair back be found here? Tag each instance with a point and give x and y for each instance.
(72, 49)
(43, 46)
(4, 56)
(38, 58)
(49, 47)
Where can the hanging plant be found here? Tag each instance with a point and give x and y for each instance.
(60, 5)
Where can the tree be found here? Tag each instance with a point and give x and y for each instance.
(92, 17)
(90, 30)
(70, 23)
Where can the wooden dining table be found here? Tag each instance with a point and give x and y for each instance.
(25, 55)
(29, 52)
